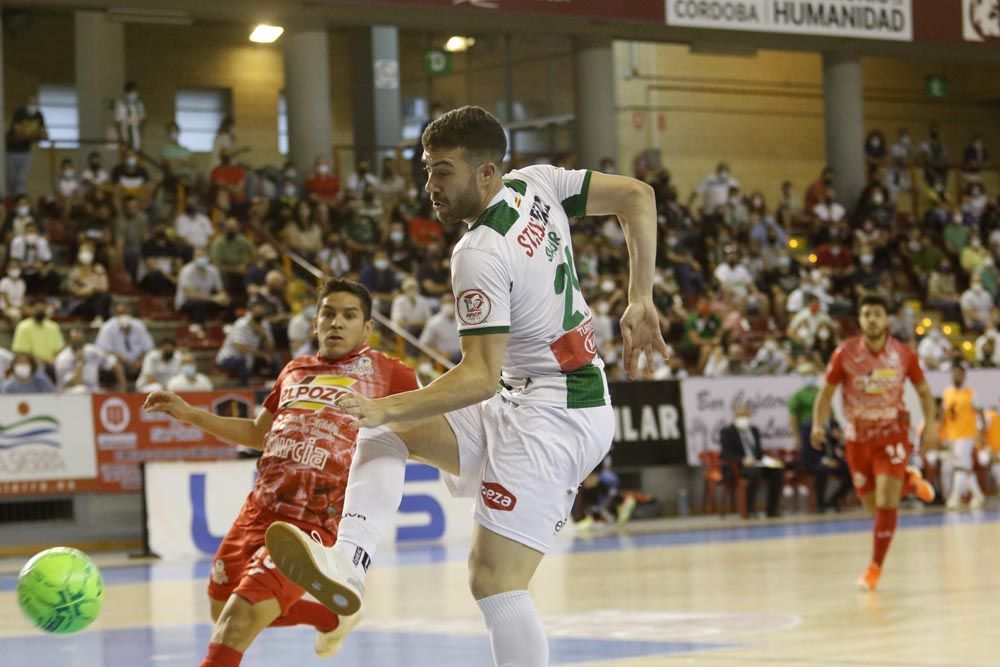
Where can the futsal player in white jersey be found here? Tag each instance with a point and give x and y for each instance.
(525, 415)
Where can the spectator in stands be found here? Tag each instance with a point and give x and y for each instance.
(177, 166)
(834, 259)
(87, 284)
(194, 229)
(131, 179)
(248, 345)
(975, 204)
(933, 156)
(942, 291)
(765, 231)
(130, 113)
(265, 261)
(12, 290)
(162, 260)
(68, 190)
(225, 141)
(303, 234)
(828, 211)
(935, 351)
(381, 280)
(410, 309)
(362, 178)
(826, 342)
(434, 273)
(734, 214)
(679, 250)
(402, 254)
(742, 452)
(737, 283)
(865, 277)
(31, 250)
(989, 275)
(827, 462)
(923, 254)
(875, 148)
(771, 358)
(803, 326)
(231, 253)
(714, 190)
(976, 305)
(789, 212)
(94, 175)
(189, 379)
(322, 186)
(159, 365)
(300, 327)
(988, 346)
(278, 311)
(370, 207)
(874, 204)
(19, 217)
(956, 235)
(897, 173)
(725, 361)
(127, 338)
(26, 377)
(333, 259)
(229, 180)
(702, 330)
(392, 185)
(37, 335)
(974, 255)
(27, 127)
(440, 333)
(974, 158)
(783, 279)
(867, 234)
(817, 189)
(98, 229)
(200, 289)
(79, 366)
(131, 231)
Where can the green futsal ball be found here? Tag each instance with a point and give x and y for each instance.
(60, 590)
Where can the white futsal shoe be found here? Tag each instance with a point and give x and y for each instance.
(322, 571)
(328, 644)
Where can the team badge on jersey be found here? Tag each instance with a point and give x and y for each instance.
(474, 306)
(315, 392)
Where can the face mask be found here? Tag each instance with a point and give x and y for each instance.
(14, 274)
(173, 136)
(904, 141)
(608, 286)
(877, 199)
(867, 259)
(168, 355)
(397, 237)
(823, 334)
(67, 174)
(323, 169)
(914, 246)
(22, 371)
(603, 308)
(289, 173)
(290, 191)
(977, 287)
(742, 423)
(784, 262)
(23, 211)
(132, 95)
(201, 261)
(189, 370)
(31, 109)
(131, 162)
(723, 174)
(86, 258)
(381, 264)
(809, 380)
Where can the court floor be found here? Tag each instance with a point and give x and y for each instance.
(756, 594)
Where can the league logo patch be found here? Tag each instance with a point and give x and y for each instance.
(473, 306)
(219, 573)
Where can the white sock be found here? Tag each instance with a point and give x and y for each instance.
(973, 485)
(995, 469)
(516, 631)
(374, 491)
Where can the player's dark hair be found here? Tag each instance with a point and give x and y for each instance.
(335, 285)
(473, 128)
(873, 300)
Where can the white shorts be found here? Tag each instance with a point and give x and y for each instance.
(961, 452)
(525, 463)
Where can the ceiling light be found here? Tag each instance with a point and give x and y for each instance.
(266, 34)
(457, 44)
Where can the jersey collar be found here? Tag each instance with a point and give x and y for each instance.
(505, 195)
(350, 356)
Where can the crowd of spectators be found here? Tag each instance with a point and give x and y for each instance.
(745, 284)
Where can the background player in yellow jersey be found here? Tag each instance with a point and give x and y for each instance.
(991, 451)
(960, 421)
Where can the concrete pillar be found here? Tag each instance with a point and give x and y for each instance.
(596, 125)
(100, 74)
(377, 107)
(6, 119)
(307, 97)
(845, 132)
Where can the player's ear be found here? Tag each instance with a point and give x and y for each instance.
(487, 171)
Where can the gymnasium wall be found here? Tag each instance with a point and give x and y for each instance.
(764, 113)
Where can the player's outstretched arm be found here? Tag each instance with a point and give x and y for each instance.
(246, 432)
(929, 437)
(634, 204)
(472, 380)
(821, 415)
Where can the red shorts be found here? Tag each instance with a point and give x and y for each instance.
(883, 456)
(243, 566)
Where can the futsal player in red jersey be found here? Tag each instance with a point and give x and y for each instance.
(307, 445)
(872, 369)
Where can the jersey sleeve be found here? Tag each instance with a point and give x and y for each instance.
(835, 368)
(273, 399)
(403, 379)
(481, 282)
(913, 370)
(569, 186)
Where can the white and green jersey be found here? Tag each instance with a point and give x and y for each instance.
(513, 272)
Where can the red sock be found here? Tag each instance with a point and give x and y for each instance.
(885, 526)
(305, 612)
(221, 656)
(907, 487)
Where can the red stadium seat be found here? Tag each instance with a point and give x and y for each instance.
(734, 489)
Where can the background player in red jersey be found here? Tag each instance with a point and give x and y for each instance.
(308, 446)
(872, 369)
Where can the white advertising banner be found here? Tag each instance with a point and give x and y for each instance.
(866, 19)
(709, 403)
(46, 443)
(191, 505)
(981, 20)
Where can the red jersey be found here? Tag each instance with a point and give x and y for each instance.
(308, 451)
(873, 384)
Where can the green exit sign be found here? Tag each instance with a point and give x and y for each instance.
(437, 62)
(936, 86)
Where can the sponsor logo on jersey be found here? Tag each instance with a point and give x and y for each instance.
(315, 392)
(879, 381)
(219, 572)
(498, 498)
(474, 306)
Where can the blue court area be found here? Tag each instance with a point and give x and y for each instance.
(168, 632)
